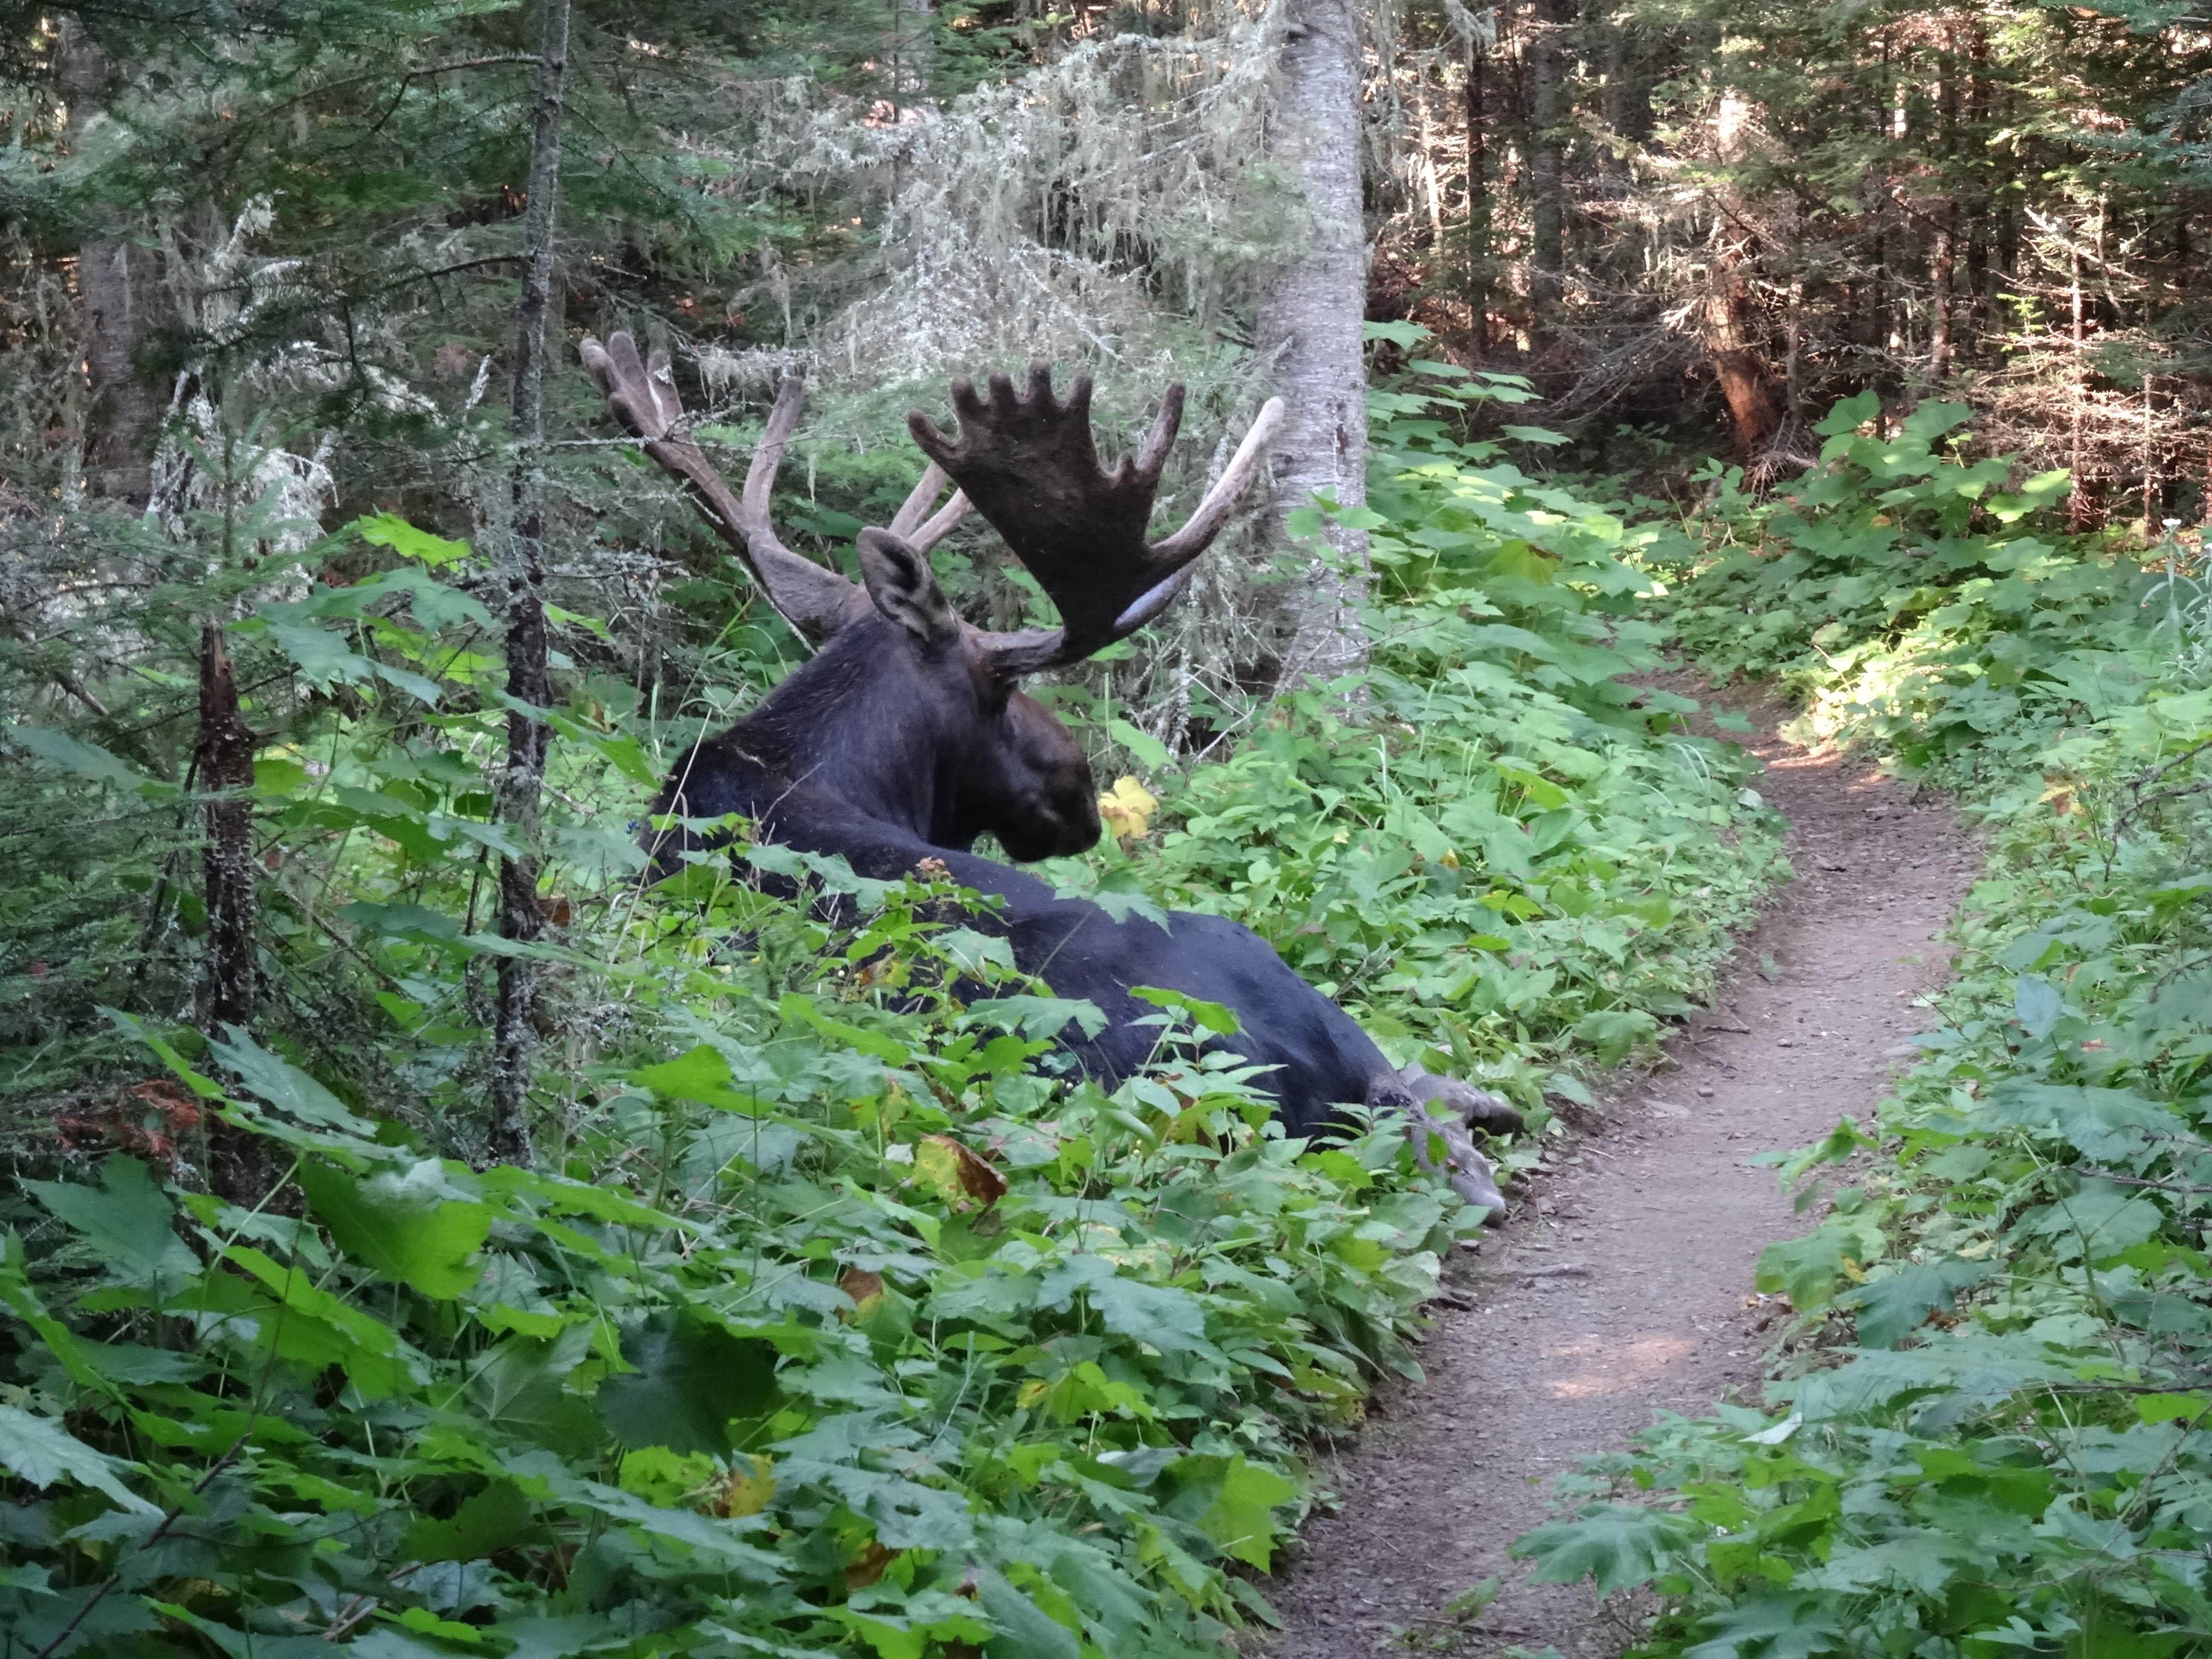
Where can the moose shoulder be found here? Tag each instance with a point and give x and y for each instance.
(906, 737)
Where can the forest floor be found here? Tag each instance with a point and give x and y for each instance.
(1623, 1288)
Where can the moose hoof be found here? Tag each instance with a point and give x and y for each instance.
(1476, 1108)
(1476, 1186)
(1464, 1170)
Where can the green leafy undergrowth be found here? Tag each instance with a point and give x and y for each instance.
(1916, 600)
(1991, 1432)
(1512, 864)
(847, 1332)
(836, 1316)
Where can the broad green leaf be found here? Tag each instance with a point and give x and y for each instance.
(412, 1225)
(2172, 1408)
(1151, 754)
(283, 1084)
(797, 1006)
(688, 1382)
(1118, 893)
(2098, 1223)
(497, 1518)
(1805, 1269)
(1616, 1546)
(2036, 1004)
(127, 1219)
(969, 951)
(1207, 1016)
(322, 1328)
(326, 660)
(1774, 1624)
(39, 1450)
(1893, 1306)
(1025, 1630)
(700, 1073)
(1231, 1501)
(520, 1388)
(1849, 415)
(1171, 1320)
(389, 530)
(564, 1636)
(2107, 1126)
(1038, 1016)
(77, 757)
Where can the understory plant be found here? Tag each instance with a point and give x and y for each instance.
(1986, 1433)
(835, 1316)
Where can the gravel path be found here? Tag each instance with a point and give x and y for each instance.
(1626, 1289)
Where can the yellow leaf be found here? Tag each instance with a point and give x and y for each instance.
(956, 1174)
(751, 1486)
(1853, 1271)
(865, 1288)
(1127, 809)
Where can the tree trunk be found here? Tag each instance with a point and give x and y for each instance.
(529, 682)
(1547, 197)
(1628, 82)
(1310, 313)
(1479, 210)
(1747, 380)
(1978, 190)
(117, 282)
(913, 52)
(2082, 506)
(1941, 267)
(223, 763)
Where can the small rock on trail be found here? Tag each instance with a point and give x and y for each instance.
(1628, 1289)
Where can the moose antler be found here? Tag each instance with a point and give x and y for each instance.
(1031, 466)
(815, 601)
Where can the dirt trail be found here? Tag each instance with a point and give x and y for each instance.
(1622, 1291)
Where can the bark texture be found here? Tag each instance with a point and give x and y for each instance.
(118, 283)
(1746, 378)
(223, 763)
(1309, 317)
(528, 681)
(1548, 61)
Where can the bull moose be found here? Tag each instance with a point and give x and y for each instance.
(906, 736)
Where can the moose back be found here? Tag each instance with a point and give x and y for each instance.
(907, 736)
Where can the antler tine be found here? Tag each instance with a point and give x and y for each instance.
(915, 507)
(1198, 529)
(641, 394)
(1152, 454)
(768, 455)
(941, 522)
(907, 522)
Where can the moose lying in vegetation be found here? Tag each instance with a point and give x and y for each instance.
(907, 736)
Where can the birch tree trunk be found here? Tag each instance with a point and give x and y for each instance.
(528, 681)
(1309, 317)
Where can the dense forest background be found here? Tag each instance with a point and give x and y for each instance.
(425, 1239)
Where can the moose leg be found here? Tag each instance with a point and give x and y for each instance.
(1476, 1108)
(1460, 1165)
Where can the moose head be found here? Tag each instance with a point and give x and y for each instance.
(909, 712)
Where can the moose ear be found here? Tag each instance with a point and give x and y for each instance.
(904, 588)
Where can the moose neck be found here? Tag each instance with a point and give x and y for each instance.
(869, 724)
